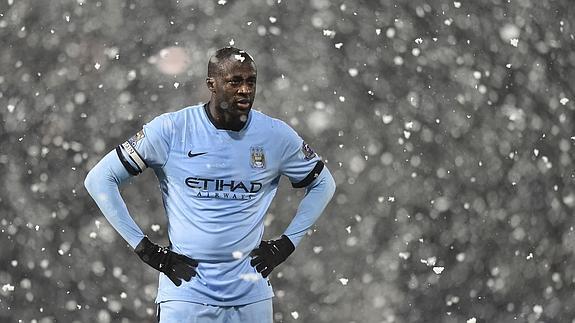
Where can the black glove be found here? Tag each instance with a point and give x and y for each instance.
(177, 267)
(270, 254)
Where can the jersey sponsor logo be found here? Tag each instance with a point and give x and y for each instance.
(308, 153)
(191, 155)
(225, 196)
(258, 158)
(223, 189)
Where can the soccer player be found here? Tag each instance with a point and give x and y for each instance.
(218, 165)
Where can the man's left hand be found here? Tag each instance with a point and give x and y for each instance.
(270, 254)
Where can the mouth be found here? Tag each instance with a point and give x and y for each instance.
(243, 104)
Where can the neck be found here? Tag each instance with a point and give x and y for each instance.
(222, 119)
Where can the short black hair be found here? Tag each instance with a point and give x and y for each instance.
(222, 55)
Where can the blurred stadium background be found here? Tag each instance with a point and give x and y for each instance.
(448, 126)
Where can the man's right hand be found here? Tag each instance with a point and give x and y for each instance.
(177, 267)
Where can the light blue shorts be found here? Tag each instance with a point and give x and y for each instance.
(188, 312)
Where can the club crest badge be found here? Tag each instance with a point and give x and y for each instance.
(308, 153)
(258, 158)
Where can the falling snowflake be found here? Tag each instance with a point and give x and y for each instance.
(131, 75)
(7, 288)
(343, 281)
(538, 309)
(338, 45)
(251, 277)
(564, 101)
(329, 33)
(295, 315)
(514, 42)
(429, 261)
(438, 270)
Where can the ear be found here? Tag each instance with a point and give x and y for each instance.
(210, 82)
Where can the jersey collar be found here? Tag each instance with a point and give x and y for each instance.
(213, 126)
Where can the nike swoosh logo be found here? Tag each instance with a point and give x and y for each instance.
(190, 154)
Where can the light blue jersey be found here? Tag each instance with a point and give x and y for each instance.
(217, 186)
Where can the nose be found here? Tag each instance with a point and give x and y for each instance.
(245, 88)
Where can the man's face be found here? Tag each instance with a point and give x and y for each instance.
(234, 88)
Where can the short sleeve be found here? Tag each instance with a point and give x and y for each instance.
(149, 147)
(299, 162)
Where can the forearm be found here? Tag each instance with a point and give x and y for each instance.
(102, 183)
(318, 194)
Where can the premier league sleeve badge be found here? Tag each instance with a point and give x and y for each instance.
(308, 153)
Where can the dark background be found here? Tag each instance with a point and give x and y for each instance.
(448, 127)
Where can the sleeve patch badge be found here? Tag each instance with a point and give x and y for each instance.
(308, 153)
(258, 158)
(137, 137)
